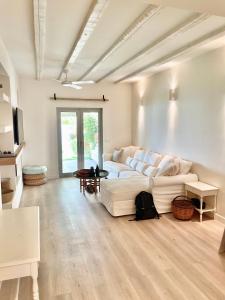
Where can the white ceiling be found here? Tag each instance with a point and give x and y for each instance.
(64, 21)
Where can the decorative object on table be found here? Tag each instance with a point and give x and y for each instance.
(83, 173)
(92, 171)
(182, 208)
(86, 179)
(34, 175)
(97, 171)
(203, 191)
(196, 202)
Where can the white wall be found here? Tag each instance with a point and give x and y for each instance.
(9, 68)
(40, 123)
(192, 127)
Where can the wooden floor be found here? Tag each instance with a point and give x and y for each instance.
(87, 254)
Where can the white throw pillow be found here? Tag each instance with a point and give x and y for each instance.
(150, 171)
(185, 166)
(167, 167)
(116, 155)
(146, 156)
(133, 163)
(140, 167)
(128, 160)
(139, 154)
(127, 151)
(153, 158)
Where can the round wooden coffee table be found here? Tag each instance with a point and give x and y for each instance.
(86, 179)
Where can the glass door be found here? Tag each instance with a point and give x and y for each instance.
(79, 139)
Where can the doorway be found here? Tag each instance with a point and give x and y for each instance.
(80, 139)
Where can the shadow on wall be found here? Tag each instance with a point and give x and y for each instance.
(214, 178)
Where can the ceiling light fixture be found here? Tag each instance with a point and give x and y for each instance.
(173, 94)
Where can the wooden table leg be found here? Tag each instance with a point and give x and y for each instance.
(34, 275)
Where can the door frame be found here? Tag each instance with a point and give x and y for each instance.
(80, 137)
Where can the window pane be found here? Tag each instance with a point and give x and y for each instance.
(69, 141)
(91, 139)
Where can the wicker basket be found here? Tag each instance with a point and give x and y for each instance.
(35, 182)
(5, 184)
(34, 176)
(182, 208)
(7, 196)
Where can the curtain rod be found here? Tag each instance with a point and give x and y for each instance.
(103, 99)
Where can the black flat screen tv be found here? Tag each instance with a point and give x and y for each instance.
(18, 126)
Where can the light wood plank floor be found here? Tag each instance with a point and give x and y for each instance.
(87, 254)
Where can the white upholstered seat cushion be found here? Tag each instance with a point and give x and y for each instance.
(115, 167)
(123, 189)
(128, 174)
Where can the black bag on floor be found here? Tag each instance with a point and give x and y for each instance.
(145, 208)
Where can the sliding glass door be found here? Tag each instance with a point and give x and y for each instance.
(79, 139)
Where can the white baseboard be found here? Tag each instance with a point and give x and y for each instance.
(220, 218)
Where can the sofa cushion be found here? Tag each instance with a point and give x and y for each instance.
(168, 166)
(115, 167)
(116, 155)
(141, 166)
(133, 163)
(139, 154)
(125, 188)
(185, 166)
(128, 174)
(150, 171)
(152, 158)
(128, 160)
(128, 151)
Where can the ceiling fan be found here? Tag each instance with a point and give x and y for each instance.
(75, 84)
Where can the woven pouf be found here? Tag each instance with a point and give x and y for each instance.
(34, 175)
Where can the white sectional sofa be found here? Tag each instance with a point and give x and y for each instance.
(139, 170)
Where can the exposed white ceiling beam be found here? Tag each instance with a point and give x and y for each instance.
(215, 7)
(92, 18)
(144, 17)
(186, 50)
(39, 10)
(180, 29)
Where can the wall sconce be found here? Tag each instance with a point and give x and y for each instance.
(173, 94)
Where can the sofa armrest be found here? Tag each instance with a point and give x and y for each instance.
(106, 156)
(173, 180)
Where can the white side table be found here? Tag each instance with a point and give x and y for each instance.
(202, 190)
(20, 245)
